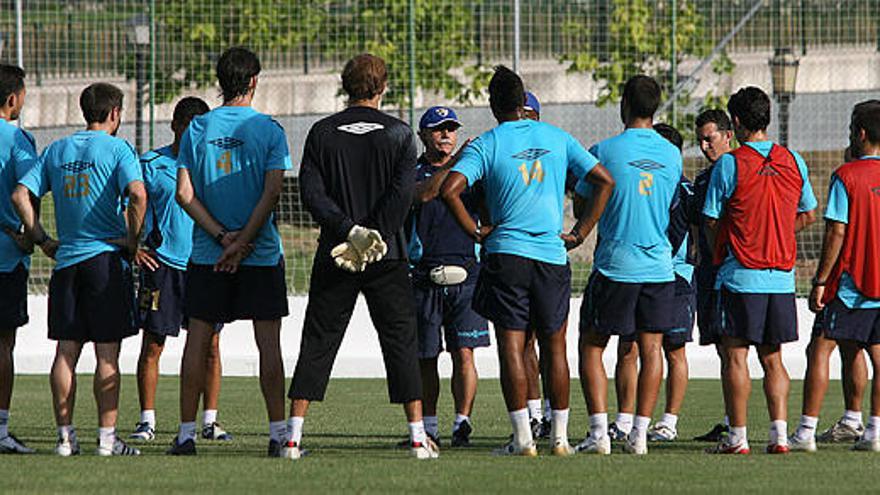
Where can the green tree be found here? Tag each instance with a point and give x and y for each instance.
(637, 39)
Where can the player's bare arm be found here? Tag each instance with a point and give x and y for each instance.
(835, 232)
(453, 186)
(588, 211)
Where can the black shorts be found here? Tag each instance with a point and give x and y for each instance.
(92, 301)
(447, 310)
(161, 296)
(621, 308)
(838, 322)
(707, 316)
(251, 293)
(517, 293)
(685, 307)
(13, 298)
(760, 319)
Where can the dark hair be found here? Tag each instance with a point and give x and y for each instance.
(11, 81)
(188, 108)
(97, 100)
(235, 68)
(642, 96)
(670, 133)
(866, 116)
(714, 116)
(506, 91)
(364, 77)
(751, 106)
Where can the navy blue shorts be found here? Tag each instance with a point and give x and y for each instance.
(92, 301)
(685, 307)
(517, 293)
(251, 293)
(13, 298)
(760, 319)
(838, 322)
(161, 296)
(621, 308)
(707, 316)
(447, 310)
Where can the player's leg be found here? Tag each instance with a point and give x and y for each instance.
(738, 386)
(465, 331)
(666, 429)
(543, 366)
(553, 351)
(776, 388)
(332, 296)
(388, 292)
(428, 299)
(106, 390)
(650, 378)
(211, 429)
(152, 346)
(870, 439)
(268, 337)
(464, 391)
(710, 334)
(626, 381)
(63, 381)
(854, 380)
(815, 386)
(533, 384)
(13, 314)
(430, 395)
(193, 368)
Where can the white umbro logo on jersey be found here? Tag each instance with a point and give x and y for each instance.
(360, 127)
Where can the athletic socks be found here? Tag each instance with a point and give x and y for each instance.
(522, 432)
(432, 425)
(548, 409)
(209, 417)
(295, 429)
(778, 432)
(187, 431)
(559, 426)
(598, 425)
(852, 418)
(67, 432)
(727, 421)
(806, 429)
(624, 422)
(4, 423)
(417, 432)
(107, 437)
(670, 420)
(535, 409)
(278, 431)
(738, 435)
(871, 429)
(459, 419)
(149, 416)
(639, 430)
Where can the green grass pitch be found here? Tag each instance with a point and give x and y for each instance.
(351, 438)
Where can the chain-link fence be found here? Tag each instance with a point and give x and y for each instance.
(574, 55)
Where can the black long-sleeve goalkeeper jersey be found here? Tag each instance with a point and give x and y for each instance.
(359, 168)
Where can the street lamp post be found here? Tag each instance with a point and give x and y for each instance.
(783, 72)
(138, 36)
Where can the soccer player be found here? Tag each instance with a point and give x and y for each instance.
(230, 174)
(846, 288)
(714, 132)
(444, 274)
(17, 157)
(632, 288)
(524, 284)
(162, 278)
(90, 293)
(759, 197)
(357, 180)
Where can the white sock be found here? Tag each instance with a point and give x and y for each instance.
(624, 422)
(670, 420)
(779, 432)
(67, 432)
(871, 431)
(599, 425)
(4, 423)
(548, 409)
(459, 419)
(432, 425)
(417, 432)
(107, 437)
(149, 416)
(727, 421)
(295, 428)
(559, 426)
(278, 431)
(535, 410)
(807, 428)
(852, 418)
(738, 434)
(639, 430)
(522, 432)
(187, 431)
(209, 417)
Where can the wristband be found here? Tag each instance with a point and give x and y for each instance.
(220, 235)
